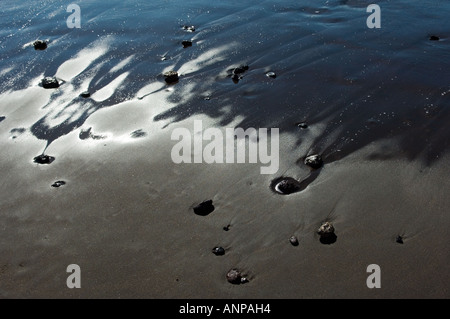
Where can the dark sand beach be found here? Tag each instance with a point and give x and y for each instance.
(373, 103)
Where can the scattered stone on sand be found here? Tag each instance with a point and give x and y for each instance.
(314, 161)
(87, 133)
(234, 277)
(138, 133)
(399, 239)
(227, 227)
(171, 77)
(326, 233)
(434, 38)
(285, 185)
(2, 118)
(85, 94)
(204, 208)
(218, 251)
(293, 240)
(186, 43)
(240, 69)
(58, 183)
(40, 45)
(302, 125)
(189, 28)
(326, 229)
(50, 83)
(236, 73)
(44, 159)
(271, 75)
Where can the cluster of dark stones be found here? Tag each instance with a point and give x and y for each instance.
(236, 73)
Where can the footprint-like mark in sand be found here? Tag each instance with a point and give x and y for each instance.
(16, 132)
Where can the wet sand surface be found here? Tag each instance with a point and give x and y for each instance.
(375, 104)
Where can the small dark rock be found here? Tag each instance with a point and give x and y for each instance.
(293, 240)
(285, 185)
(326, 232)
(204, 208)
(50, 83)
(190, 28)
(87, 133)
(314, 161)
(399, 239)
(240, 69)
(171, 77)
(326, 229)
(44, 159)
(85, 94)
(58, 183)
(226, 228)
(236, 73)
(2, 118)
(434, 38)
(234, 277)
(186, 43)
(302, 125)
(218, 251)
(40, 45)
(271, 75)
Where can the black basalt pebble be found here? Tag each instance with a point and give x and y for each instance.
(293, 240)
(285, 185)
(58, 183)
(204, 208)
(434, 38)
(399, 239)
(171, 77)
(218, 251)
(326, 232)
(44, 159)
(314, 161)
(188, 28)
(40, 45)
(240, 69)
(186, 43)
(2, 118)
(50, 83)
(85, 94)
(302, 125)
